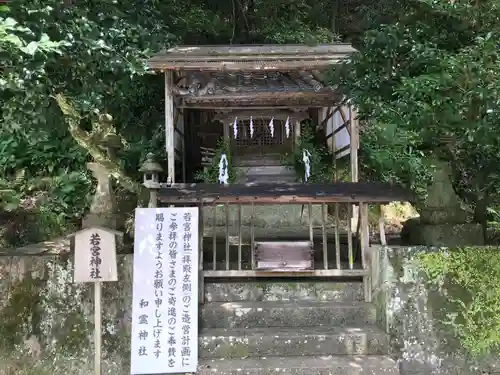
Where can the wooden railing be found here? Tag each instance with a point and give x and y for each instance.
(234, 246)
(332, 247)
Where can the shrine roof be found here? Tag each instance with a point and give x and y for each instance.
(251, 57)
(218, 89)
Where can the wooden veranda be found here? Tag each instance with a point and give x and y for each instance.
(226, 84)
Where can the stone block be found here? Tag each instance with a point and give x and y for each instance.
(450, 235)
(411, 311)
(258, 342)
(282, 291)
(286, 314)
(324, 365)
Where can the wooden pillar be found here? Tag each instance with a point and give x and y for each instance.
(366, 256)
(354, 132)
(169, 127)
(334, 144)
(226, 128)
(354, 145)
(296, 133)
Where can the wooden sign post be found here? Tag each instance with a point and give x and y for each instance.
(95, 262)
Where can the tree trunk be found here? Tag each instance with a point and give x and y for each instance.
(481, 214)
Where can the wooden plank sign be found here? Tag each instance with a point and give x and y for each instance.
(165, 291)
(95, 256)
(284, 256)
(95, 262)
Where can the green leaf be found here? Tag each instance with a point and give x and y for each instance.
(9, 23)
(31, 48)
(13, 39)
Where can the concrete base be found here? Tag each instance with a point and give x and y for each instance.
(449, 235)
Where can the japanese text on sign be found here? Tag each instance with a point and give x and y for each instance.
(165, 291)
(95, 256)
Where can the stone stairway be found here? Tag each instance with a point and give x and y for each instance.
(266, 174)
(287, 327)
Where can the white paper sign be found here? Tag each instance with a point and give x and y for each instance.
(95, 256)
(165, 291)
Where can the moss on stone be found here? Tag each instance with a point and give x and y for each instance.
(468, 283)
(20, 315)
(233, 350)
(45, 309)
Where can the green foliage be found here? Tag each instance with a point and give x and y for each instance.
(93, 53)
(429, 83)
(320, 159)
(38, 177)
(469, 278)
(210, 174)
(392, 154)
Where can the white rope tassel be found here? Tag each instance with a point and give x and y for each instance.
(235, 127)
(287, 127)
(251, 127)
(271, 127)
(306, 158)
(223, 170)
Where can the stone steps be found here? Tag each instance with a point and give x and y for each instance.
(313, 365)
(283, 326)
(284, 291)
(251, 314)
(315, 341)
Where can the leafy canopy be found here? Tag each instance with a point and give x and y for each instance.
(429, 84)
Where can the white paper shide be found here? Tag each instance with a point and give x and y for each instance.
(165, 291)
(95, 256)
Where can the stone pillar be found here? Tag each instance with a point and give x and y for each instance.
(103, 208)
(442, 221)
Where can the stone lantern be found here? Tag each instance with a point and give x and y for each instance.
(151, 171)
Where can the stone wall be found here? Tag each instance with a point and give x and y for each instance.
(46, 321)
(412, 312)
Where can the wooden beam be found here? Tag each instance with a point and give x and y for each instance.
(283, 193)
(254, 108)
(328, 116)
(343, 126)
(266, 114)
(258, 50)
(312, 273)
(260, 66)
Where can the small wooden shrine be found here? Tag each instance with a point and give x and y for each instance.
(257, 98)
